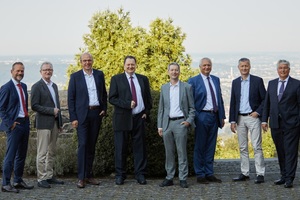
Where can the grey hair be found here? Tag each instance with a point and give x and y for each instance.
(86, 53)
(285, 62)
(244, 60)
(46, 63)
(205, 58)
(174, 63)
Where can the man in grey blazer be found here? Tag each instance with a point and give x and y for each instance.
(176, 114)
(45, 102)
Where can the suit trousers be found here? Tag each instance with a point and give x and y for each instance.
(206, 133)
(16, 150)
(87, 133)
(138, 138)
(175, 137)
(286, 143)
(253, 126)
(46, 148)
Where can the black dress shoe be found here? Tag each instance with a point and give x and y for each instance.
(241, 177)
(23, 185)
(259, 179)
(53, 180)
(183, 184)
(202, 180)
(119, 181)
(288, 184)
(279, 182)
(213, 179)
(9, 188)
(141, 180)
(166, 182)
(81, 184)
(43, 184)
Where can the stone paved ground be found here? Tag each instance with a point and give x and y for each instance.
(224, 169)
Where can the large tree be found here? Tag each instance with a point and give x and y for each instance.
(112, 37)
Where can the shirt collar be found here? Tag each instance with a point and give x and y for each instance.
(86, 74)
(48, 83)
(286, 80)
(247, 79)
(128, 76)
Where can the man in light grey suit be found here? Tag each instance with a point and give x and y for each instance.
(45, 102)
(176, 114)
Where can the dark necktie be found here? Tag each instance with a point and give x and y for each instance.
(215, 107)
(281, 89)
(23, 99)
(133, 91)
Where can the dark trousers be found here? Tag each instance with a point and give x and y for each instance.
(16, 150)
(206, 132)
(286, 143)
(87, 133)
(138, 146)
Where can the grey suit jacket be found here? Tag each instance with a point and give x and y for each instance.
(186, 104)
(42, 103)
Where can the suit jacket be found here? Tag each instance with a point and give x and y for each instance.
(186, 103)
(200, 95)
(78, 97)
(42, 103)
(288, 108)
(120, 96)
(257, 94)
(10, 104)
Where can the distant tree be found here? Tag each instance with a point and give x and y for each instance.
(112, 37)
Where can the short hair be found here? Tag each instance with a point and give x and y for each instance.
(16, 63)
(173, 63)
(46, 63)
(205, 58)
(86, 53)
(285, 62)
(129, 57)
(244, 60)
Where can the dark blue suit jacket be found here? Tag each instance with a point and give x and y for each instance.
(257, 94)
(78, 97)
(10, 104)
(288, 108)
(200, 95)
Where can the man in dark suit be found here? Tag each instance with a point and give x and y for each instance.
(282, 105)
(130, 94)
(45, 102)
(246, 105)
(14, 120)
(176, 114)
(87, 101)
(209, 116)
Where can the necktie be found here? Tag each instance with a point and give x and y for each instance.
(215, 107)
(133, 91)
(281, 89)
(23, 99)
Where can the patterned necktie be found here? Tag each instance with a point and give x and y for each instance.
(215, 107)
(23, 99)
(133, 91)
(281, 89)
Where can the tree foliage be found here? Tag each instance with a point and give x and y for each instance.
(112, 37)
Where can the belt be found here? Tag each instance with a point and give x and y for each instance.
(245, 114)
(209, 111)
(22, 119)
(94, 107)
(175, 118)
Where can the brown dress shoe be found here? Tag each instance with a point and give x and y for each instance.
(92, 181)
(80, 184)
(9, 188)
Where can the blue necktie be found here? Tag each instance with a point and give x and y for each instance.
(281, 89)
(215, 107)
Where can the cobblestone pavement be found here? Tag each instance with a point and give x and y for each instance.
(225, 170)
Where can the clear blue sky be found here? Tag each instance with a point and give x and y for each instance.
(35, 27)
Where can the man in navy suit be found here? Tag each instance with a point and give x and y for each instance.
(210, 115)
(87, 101)
(130, 94)
(14, 120)
(246, 105)
(282, 107)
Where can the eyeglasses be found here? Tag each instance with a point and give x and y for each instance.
(47, 70)
(86, 60)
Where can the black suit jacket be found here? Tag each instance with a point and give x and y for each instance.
(288, 108)
(120, 96)
(257, 94)
(78, 97)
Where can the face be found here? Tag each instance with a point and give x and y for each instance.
(46, 72)
(174, 72)
(86, 62)
(18, 72)
(205, 67)
(244, 68)
(129, 66)
(283, 71)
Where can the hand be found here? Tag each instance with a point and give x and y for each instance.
(56, 110)
(264, 127)
(133, 104)
(223, 123)
(75, 123)
(254, 114)
(160, 132)
(102, 113)
(14, 125)
(185, 123)
(233, 127)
